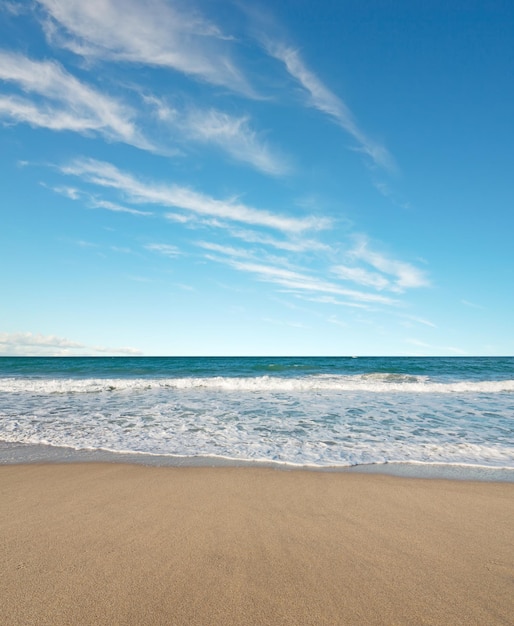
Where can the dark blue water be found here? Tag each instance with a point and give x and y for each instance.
(437, 368)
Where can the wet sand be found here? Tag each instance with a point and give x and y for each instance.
(120, 544)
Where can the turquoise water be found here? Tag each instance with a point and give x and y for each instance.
(314, 412)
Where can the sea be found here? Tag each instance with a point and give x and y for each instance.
(444, 417)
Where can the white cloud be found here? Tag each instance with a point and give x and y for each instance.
(291, 245)
(332, 300)
(405, 275)
(236, 137)
(164, 248)
(226, 250)
(291, 279)
(385, 190)
(161, 109)
(68, 192)
(30, 344)
(245, 253)
(232, 134)
(361, 276)
(154, 32)
(30, 339)
(194, 221)
(107, 175)
(179, 218)
(96, 203)
(116, 208)
(304, 282)
(64, 102)
(321, 98)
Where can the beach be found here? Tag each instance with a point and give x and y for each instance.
(99, 543)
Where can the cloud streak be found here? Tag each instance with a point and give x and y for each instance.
(361, 276)
(391, 274)
(321, 98)
(303, 282)
(230, 133)
(155, 33)
(62, 102)
(165, 249)
(172, 195)
(97, 203)
(297, 281)
(236, 136)
(297, 244)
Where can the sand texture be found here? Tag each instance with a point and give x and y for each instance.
(117, 544)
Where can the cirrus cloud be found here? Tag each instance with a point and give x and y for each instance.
(59, 101)
(177, 196)
(156, 33)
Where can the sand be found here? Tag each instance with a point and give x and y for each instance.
(119, 544)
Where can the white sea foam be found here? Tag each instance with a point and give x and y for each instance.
(313, 420)
(373, 383)
(317, 412)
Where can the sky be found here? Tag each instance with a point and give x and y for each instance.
(235, 177)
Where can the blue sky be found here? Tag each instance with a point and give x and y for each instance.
(256, 178)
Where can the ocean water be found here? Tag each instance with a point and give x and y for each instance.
(314, 412)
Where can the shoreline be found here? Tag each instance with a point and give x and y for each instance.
(22, 453)
(110, 543)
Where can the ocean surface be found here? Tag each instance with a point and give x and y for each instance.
(322, 413)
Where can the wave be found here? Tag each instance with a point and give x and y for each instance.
(291, 454)
(373, 383)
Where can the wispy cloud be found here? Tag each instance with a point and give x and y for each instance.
(385, 190)
(155, 32)
(31, 344)
(394, 275)
(137, 191)
(418, 320)
(361, 276)
(229, 133)
(436, 349)
(297, 244)
(304, 282)
(165, 249)
(13, 8)
(225, 250)
(297, 281)
(96, 203)
(321, 98)
(236, 136)
(62, 102)
(333, 300)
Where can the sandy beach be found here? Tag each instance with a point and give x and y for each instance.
(121, 544)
